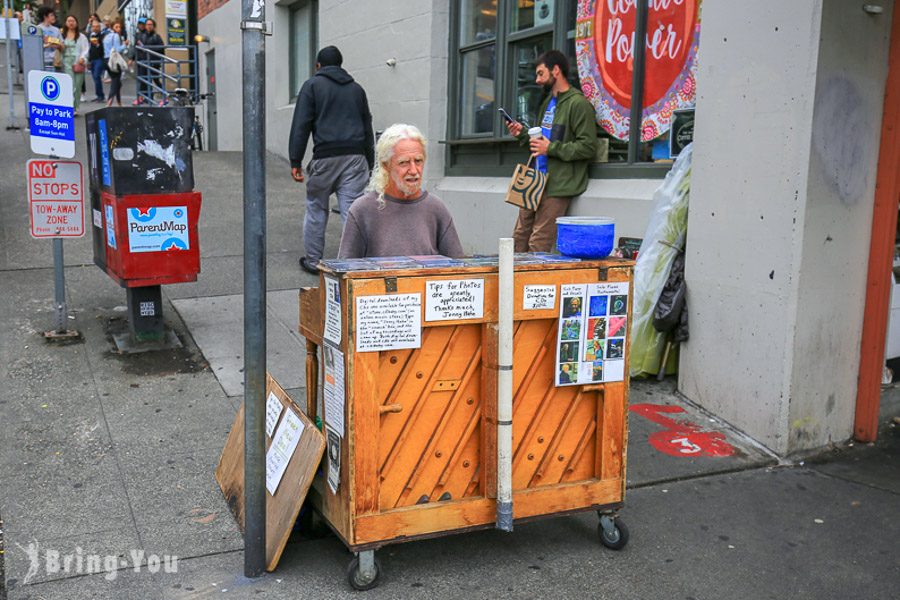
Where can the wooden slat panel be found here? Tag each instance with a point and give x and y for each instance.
(450, 436)
(412, 387)
(448, 516)
(488, 458)
(579, 420)
(409, 452)
(365, 423)
(613, 440)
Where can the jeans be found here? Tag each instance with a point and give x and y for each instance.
(98, 65)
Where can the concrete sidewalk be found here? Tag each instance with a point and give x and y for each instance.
(116, 456)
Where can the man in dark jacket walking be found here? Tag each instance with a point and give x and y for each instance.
(334, 109)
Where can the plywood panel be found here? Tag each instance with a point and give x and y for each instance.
(282, 508)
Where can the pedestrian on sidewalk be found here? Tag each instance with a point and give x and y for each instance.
(564, 151)
(149, 40)
(52, 38)
(334, 109)
(112, 43)
(96, 60)
(75, 57)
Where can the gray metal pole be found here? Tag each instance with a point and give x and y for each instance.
(254, 132)
(59, 286)
(11, 123)
(637, 80)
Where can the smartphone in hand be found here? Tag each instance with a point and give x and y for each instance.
(505, 116)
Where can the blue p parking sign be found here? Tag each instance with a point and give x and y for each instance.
(50, 88)
(51, 119)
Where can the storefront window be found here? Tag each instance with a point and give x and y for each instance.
(528, 94)
(497, 70)
(478, 21)
(532, 13)
(478, 91)
(303, 29)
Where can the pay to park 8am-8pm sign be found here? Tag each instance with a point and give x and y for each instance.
(604, 43)
(51, 118)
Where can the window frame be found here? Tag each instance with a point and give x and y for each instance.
(294, 86)
(498, 162)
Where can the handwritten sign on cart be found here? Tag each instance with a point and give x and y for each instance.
(390, 322)
(452, 299)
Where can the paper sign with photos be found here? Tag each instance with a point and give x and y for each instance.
(592, 332)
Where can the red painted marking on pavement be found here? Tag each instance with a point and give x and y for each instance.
(682, 437)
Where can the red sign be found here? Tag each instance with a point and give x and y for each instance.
(605, 38)
(681, 438)
(56, 198)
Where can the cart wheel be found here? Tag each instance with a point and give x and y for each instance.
(613, 533)
(356, 579)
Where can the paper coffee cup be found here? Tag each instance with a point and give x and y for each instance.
(535, 132)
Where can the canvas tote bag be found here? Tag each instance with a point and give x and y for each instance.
(527, 186)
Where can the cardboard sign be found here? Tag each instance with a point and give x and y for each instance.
(390, 322)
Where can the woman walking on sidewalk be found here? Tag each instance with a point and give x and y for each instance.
(113, 43)
(75, 52)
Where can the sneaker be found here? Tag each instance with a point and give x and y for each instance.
(308, 266)
(98, 99)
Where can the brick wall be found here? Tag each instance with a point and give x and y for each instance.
(204, 7)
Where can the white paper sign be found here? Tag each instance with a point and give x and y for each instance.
(539, 297)
(283, 445)
(593, 328)
(333, 448)
(334, 389)
(274, 407)
(332, 311)
(390, 322)
(453, 299)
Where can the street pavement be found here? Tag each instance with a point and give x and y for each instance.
(115, 455)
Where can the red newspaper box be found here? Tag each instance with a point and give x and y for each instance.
(151, 239)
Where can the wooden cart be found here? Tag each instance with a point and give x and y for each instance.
(418, 457)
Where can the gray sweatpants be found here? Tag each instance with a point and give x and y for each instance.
(345, 176)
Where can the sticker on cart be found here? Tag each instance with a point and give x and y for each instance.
(332, 311)
(158, 229)
(454, 299)
(389, 322)
(539, 297)
(110, 227)
(333, 448)
(274, 408)
(605, 331)
(570, 368)
(333, 390)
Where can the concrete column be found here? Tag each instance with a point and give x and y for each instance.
(788, 121)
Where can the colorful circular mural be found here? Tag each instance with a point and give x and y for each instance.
(604, 37)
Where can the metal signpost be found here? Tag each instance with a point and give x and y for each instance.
(51, 123)
(32, 53)
(253, 47)
(11, 32)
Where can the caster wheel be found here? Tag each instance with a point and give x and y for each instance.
(616, 538)
(357, 581)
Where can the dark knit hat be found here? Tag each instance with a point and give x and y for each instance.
(329, 56)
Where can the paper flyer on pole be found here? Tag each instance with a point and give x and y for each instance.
(592, 332)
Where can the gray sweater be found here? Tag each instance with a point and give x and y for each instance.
(401, 228)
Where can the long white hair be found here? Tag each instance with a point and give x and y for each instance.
(384, 151)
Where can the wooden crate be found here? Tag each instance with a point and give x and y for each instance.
(419, 453)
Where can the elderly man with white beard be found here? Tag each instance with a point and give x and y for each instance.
(396, 217)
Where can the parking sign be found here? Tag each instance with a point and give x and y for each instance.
(51, 118)
(56, 198)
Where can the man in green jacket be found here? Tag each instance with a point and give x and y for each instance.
(564, 151)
